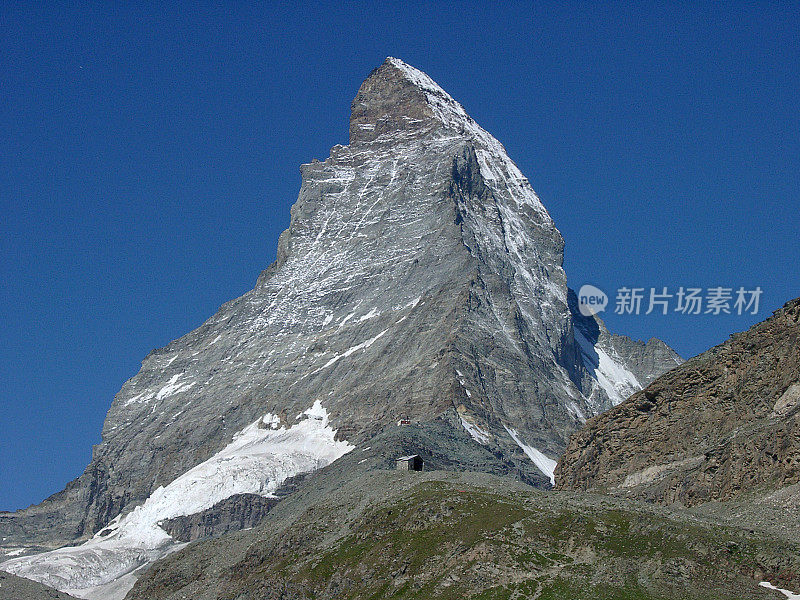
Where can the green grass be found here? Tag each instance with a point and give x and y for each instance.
(436, 532)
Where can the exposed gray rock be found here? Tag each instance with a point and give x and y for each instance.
(242, 511)
(237, 512)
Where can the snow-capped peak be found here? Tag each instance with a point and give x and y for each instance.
(444, 107)
(384, 99)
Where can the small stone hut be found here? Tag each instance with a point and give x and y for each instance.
(410, 463)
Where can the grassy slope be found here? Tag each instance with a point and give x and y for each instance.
(452, 538)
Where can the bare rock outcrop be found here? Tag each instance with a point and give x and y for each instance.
(723, 424)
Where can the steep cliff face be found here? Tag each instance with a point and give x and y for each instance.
(723, 424)
(420, 279)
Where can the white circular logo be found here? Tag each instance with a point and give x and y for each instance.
(591, 300)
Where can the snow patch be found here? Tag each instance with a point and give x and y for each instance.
(476, 433)
(143, 397)
(373, 313)
(787, 593)
(347, 318)
(173, 387)
(543, 463)
(350, 351)
(575, 410)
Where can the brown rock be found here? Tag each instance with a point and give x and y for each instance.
(722, 424)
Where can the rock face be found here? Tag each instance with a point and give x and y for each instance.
(242, 511)
(723, 424)
(420, 279)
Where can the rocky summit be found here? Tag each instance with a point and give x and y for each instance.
(418, 304)
(724, 425)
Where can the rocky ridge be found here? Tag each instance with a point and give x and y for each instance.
(722, 425)
(19, 588)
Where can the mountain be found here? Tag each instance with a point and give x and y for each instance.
(418, 304)
(724, 425)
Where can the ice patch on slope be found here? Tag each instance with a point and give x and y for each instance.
(350, 351)
(475, 432)
(373, 313)
(543, 463)
(617, 381)
(143, 397)
(173, 387)
(575, 410)
(258, 460)
(787, 593)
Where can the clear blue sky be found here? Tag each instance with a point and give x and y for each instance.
(149, 157)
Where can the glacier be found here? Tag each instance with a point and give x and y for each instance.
(257, 461)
